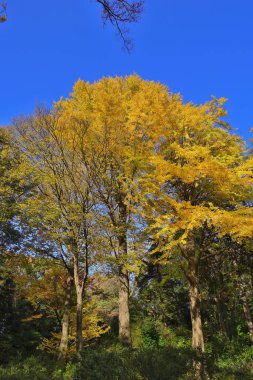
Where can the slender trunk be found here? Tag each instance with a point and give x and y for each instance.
(246, 309)
(79, 319)
(221, 320)
(63, 348)
(197, 331)
(124, 314)
(244, 298)
(79, 286)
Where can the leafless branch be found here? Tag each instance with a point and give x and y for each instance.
(3, 11)
(117, 12)
(120, 13)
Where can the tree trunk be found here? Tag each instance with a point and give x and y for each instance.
(246, 309)
(243, 287)
(197, 331)
(79, 286)
(124, 314)
(219, 312)
(63, 348)
(79, 319)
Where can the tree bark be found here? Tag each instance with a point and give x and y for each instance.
(79, 286)
(197, 331)
(243, 287)
(63, 347)
(246, 309)
(124, 314)
(194, 297)
(219, 312)
(79, 319)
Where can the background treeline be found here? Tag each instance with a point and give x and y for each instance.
(126, 238)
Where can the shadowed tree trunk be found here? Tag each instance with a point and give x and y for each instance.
(79, 279)
(243, 293)
(246, 309)
(197, 331)
(79, 319)
(63, 347)
(219, 312)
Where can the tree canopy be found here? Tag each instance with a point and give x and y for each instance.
(126, 216)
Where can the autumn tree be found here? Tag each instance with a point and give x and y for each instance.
(196, 191)
(15, 185)
(62, 206)
(112, 120)
(44, 283)
(127, 169)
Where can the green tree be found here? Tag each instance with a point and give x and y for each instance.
(62, 207)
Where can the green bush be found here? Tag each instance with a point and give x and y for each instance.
(149, 333)
(146, 363)
(143, 364)
(33, 368)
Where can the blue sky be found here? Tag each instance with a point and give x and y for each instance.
(197, 47)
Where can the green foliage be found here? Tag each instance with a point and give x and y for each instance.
(237, 364)
(149, 363)
(117, 363)
(150, 335)
(32, 368)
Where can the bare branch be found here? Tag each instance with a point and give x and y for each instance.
(119, 13)
(3, 11)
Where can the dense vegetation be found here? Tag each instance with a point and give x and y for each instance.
(126, 239)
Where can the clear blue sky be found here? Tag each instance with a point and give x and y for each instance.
(197, 47)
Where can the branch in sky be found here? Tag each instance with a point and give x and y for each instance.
(119, 13)
(3, 12)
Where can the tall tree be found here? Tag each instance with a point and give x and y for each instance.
(112, 120)
(61, 208)
(197, 189)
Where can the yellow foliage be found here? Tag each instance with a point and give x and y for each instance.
(93, 328)
(191, 169)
